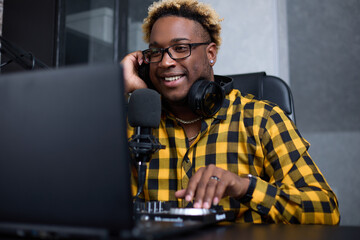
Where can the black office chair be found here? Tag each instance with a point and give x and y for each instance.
(268, 88)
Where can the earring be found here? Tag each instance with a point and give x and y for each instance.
(211, 61)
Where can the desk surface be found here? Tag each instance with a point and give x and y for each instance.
(273, 232)
(262, 232)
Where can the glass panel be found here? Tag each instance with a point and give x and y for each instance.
(137, 12)
(89, 31)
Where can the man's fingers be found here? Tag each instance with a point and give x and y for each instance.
(206, 187)
(220, 190)
(209, 185)
(210, 191)
(131, 64)
(180, 193)
(193, 185)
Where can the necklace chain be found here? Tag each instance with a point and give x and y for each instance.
(188, 122)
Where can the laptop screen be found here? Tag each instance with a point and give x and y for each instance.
(63, 148)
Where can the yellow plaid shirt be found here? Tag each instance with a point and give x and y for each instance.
(245, 136)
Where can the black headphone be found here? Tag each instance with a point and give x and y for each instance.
(205, 97)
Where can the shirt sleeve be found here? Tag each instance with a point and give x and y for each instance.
(292, 190)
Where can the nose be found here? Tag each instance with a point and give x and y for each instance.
(167, 61)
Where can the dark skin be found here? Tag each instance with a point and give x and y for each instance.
(173, 79)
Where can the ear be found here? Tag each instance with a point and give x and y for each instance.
(211, 52)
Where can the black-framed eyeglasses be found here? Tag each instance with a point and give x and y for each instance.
(176, 51)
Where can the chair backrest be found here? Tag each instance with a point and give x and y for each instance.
(268, 88)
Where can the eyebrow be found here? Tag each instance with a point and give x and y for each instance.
(175, 40)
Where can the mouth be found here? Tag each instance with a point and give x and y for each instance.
(173, 78)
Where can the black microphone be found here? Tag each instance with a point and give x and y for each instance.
(144, 108)
(144, 113)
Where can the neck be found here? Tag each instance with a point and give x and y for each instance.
(183, 112)
(180, 110)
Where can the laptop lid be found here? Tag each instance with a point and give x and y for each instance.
(63, 149)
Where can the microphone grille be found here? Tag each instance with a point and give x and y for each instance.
(144, 108)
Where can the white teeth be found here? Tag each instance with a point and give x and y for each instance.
(170, 79)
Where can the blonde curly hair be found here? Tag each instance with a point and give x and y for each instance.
(191, 9)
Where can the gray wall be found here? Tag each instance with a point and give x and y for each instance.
(254, 37)
(324, 55)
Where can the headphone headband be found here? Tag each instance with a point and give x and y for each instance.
(225, 82)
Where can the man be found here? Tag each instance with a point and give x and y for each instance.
(248, 157)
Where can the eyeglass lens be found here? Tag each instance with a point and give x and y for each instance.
(177, 51)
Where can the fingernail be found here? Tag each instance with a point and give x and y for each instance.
(215, 201)
(188, 198)
(197, 205)
(206, 205)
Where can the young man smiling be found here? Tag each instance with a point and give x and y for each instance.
(249, 157)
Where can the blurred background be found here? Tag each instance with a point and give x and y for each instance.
(313, 45)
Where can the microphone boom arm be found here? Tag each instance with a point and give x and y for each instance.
(25, 59)
(142, 146)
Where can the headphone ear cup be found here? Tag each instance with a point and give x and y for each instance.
(195, 95)
(205, 97)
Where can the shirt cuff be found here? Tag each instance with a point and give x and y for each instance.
(263, 197)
